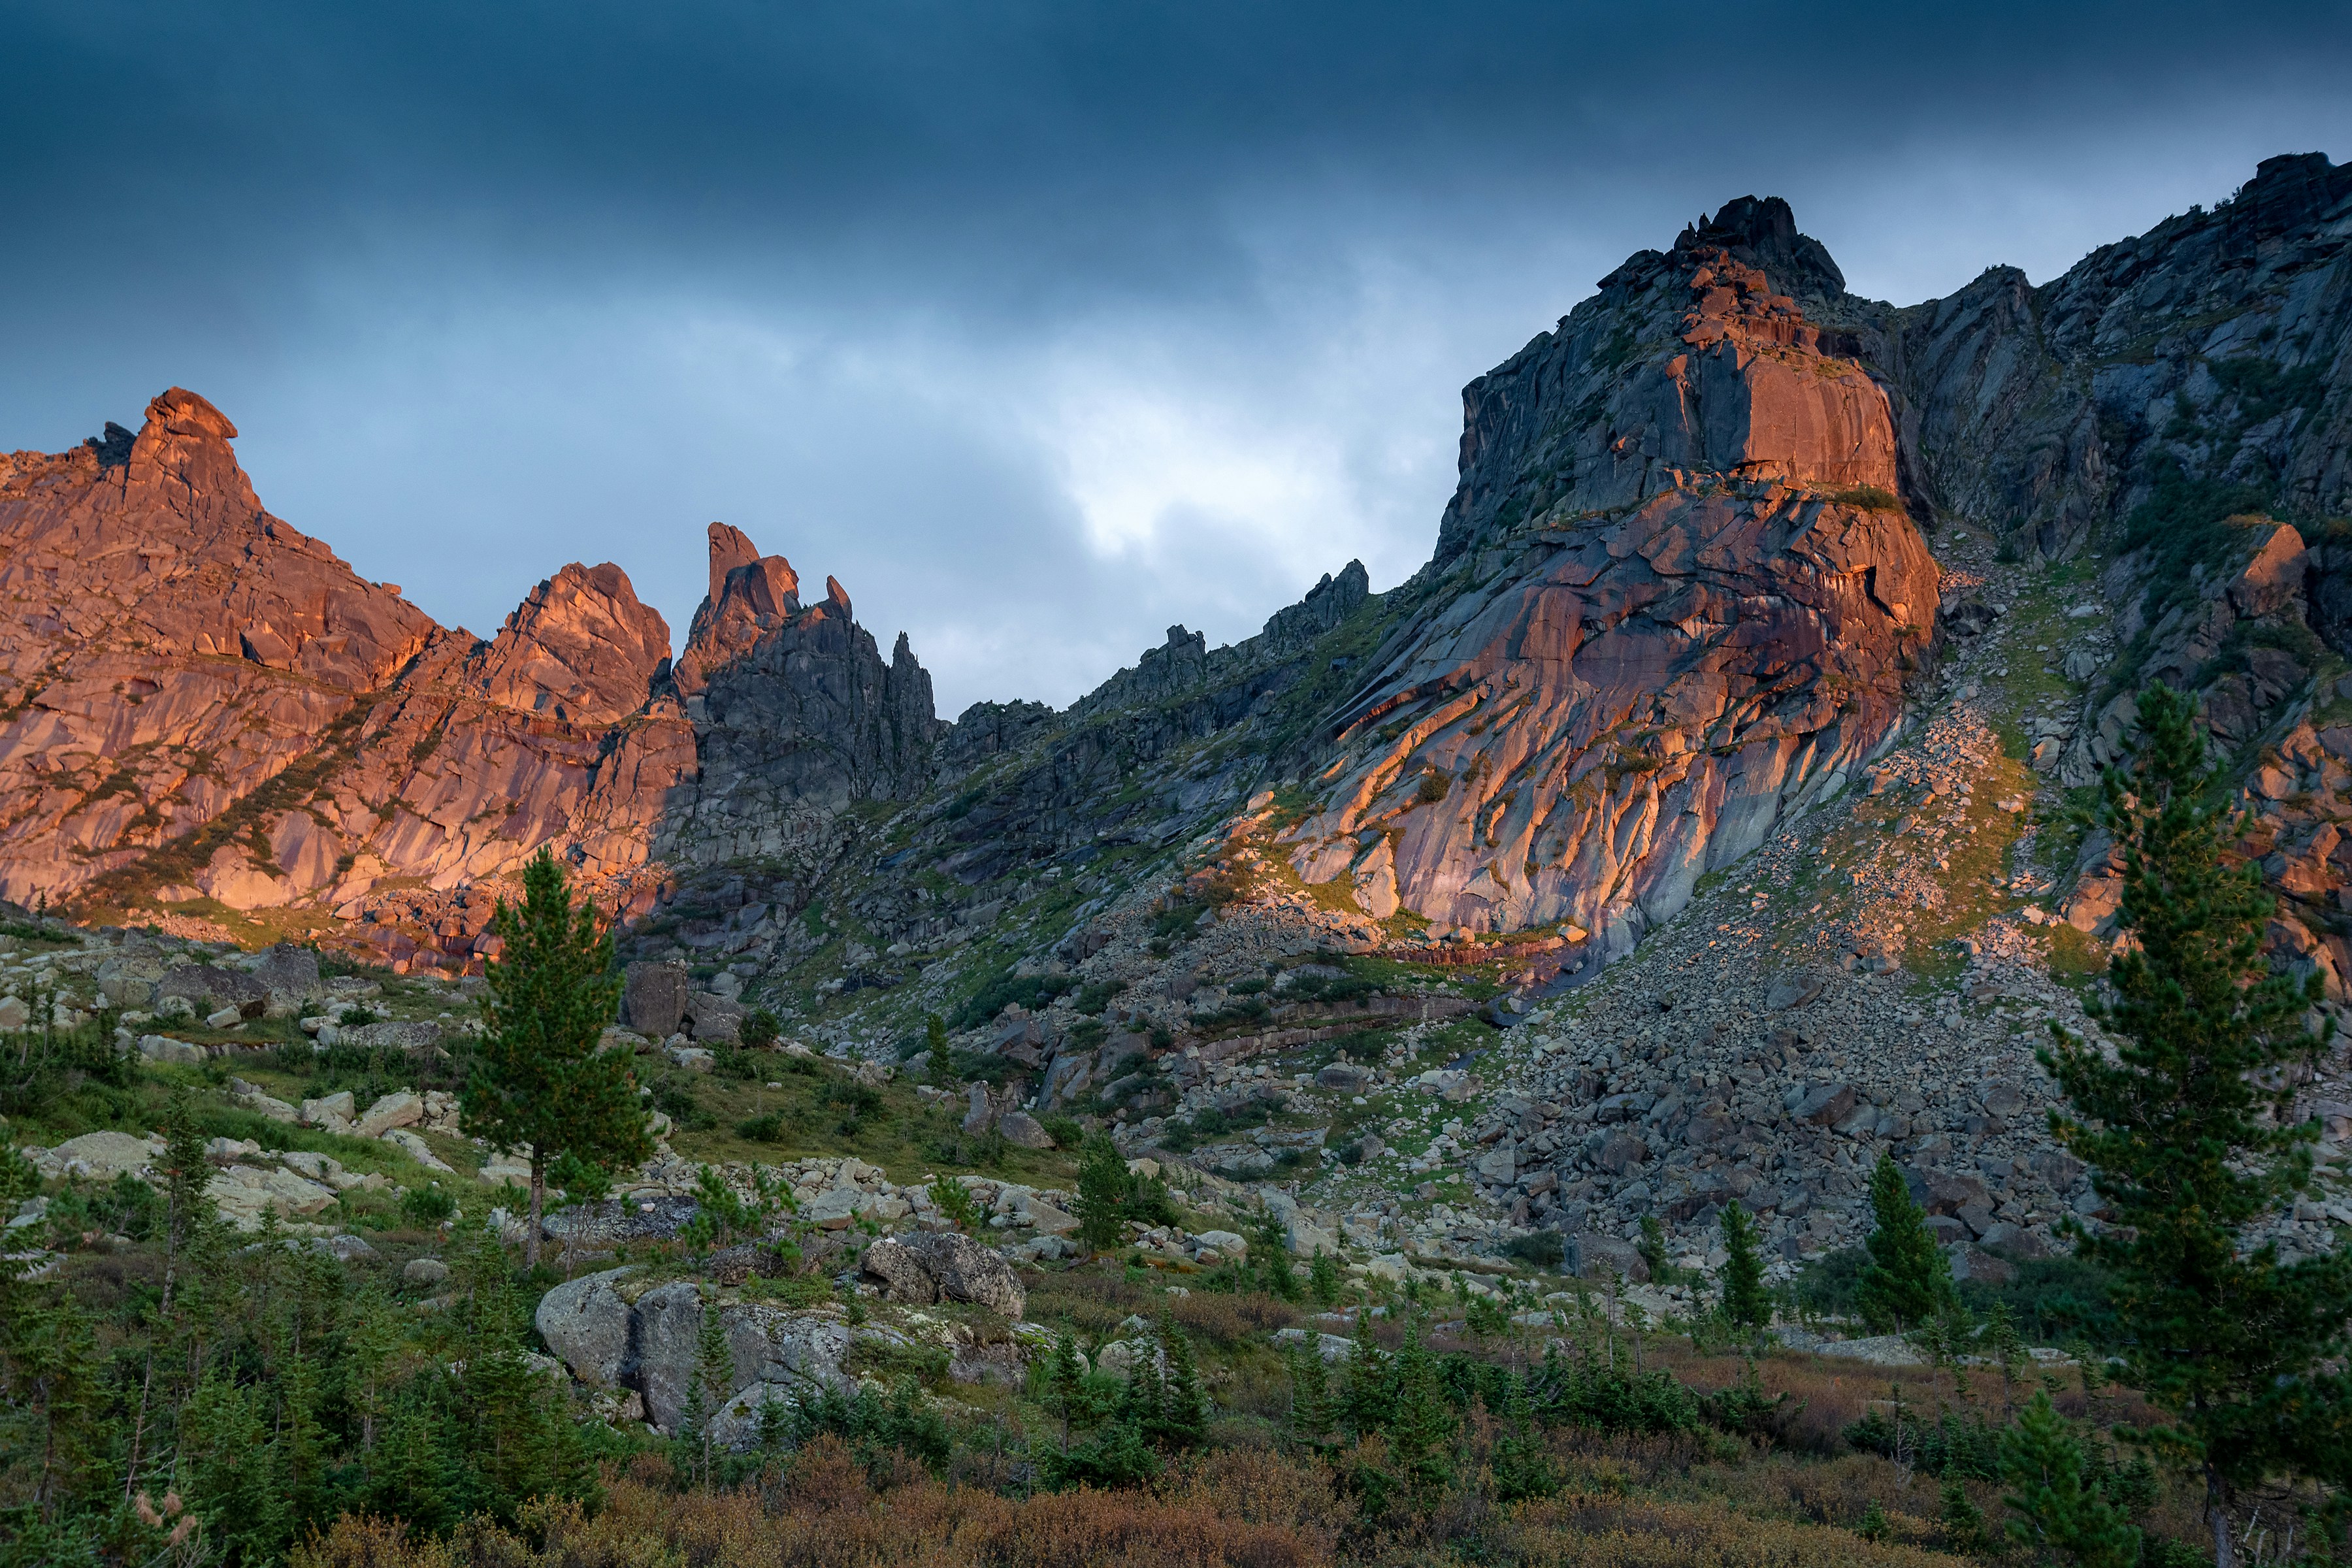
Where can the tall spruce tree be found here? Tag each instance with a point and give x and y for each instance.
(537, 1079)
(2195, 1146)
(1745, 1300)
(1907, 1280)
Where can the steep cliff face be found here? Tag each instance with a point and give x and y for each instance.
(1674, 596)
(150, 612)
(796, 715)
(2163, 381)
(207, 702)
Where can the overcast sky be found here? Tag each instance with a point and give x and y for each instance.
(1040, 325)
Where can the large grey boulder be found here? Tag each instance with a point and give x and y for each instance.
(588, 1323)
(208, 989)
(291, 974)
(1597, 1254)
(408, 1034)
(1823, 1104)
(619, 1220)
(714, 1019)
(1023, 1131)
(128, 978)
(795, 1353)
(653, 998)
(102, 1156)
(946, 1266)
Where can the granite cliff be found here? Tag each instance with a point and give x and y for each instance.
(1683, 589)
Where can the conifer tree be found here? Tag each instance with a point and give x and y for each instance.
(1963, 1520)
(1065, 1383)
(51, 1402)
(1367, 1394)
(1522, 1465)
(2005, 1346)
(1144, 1403)
(1269, 1256)
(1183, 1405)
(1421, 1428)
(2059, 1506)
(1102, 1193)
(1323, 1279)
(1745, 1300)
(537, 1079)
(714, 1376)
(1311, 1400)
(1907, 1280)
(2195, 1145)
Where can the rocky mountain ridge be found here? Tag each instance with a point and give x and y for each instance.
(1764, 640)
(1682, 591)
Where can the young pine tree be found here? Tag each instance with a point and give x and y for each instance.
(1907, 1280)
(1323, 1279)
(1311, 1400)
(1652, 1249)
(1522, 1465)
(1368, 1385)
(2193, 1142)
(537, 1078)
(1421, 1428)
(714, 1377)
(1066, 1383)
(1745, 1300)
(1102, 1193)
(2059, 1505)
(1963, 1520)
(2005, 1346)
(1183, 1420)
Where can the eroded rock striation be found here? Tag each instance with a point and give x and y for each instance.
(1674, 596)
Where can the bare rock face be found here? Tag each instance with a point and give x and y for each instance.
(149, 609)
(945, 1267)
(581, 647)
(796, 715)
(1675, 597)
(2193, 371)
(172, 648)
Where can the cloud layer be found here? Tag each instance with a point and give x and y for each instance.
(1042, 326)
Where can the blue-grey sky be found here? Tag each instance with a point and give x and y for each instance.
(1041, 325)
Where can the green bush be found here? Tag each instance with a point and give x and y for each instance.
(1032, 992)
(764, 1129)
(426, 1206)
(674, 1098)
(1540, 1249)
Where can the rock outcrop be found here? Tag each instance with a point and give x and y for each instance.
(205, 703)
(796, 715)
(2162, 382)
(1674, 596)
(1678, 592)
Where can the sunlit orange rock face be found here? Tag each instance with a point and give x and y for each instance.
(172, 649)
(1674, 598)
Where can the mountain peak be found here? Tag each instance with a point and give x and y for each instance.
(1763, 232)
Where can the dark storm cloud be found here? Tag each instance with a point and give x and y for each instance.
(1042, 325)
